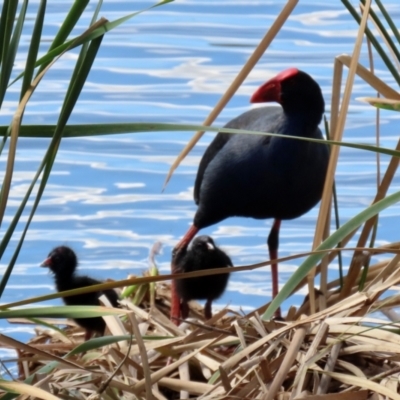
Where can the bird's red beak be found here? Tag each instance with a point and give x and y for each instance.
(46, 263)
(271, 90)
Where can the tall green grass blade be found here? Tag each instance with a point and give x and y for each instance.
(46, 131)
(337, 223)
(374, 42)
(364, 273)
(34, 47)
(393, 27)
(6, 65)
(70, 21)
(382, 28)
(3, 25)
(5, 190)
(85, 46)
(9, 59)
(72, 95)
(96, 12)
(329, 243)
(8, 16)
(66, 28)
(10, 230)
(61, 312)
(4, 140)
(32, 54)
(80, 75)
(73, 92)
(336, 210)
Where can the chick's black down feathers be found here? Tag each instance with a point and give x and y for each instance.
(62, 261)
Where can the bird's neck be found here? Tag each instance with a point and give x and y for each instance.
(63, 282)
(301, 124)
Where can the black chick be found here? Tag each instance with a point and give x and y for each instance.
(62, 261)
(203, 254)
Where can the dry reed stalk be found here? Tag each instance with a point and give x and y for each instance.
(391, 95)
(295, 345)
(302, 377)
(337, 134)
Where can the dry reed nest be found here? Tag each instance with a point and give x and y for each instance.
(340, 352)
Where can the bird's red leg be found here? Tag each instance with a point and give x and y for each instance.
(273, 244)
(88, 335)
(208, 310)
(175, 301)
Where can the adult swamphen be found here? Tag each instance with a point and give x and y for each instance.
(203, 254)
(261, 176)
(62, 261)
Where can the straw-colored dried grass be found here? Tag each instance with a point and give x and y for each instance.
(339, 352)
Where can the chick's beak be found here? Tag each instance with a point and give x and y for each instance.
(46, 263)
(210, 246)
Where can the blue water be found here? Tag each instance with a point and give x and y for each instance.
(172, 64)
